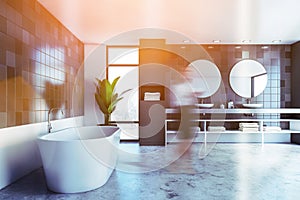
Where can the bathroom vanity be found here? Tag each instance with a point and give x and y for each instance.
(283, 118)
(251, 79)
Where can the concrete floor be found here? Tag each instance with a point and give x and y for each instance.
(230, 171)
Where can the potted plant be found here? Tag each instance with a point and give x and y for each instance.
(107, 98)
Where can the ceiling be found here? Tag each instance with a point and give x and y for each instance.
(199, 21)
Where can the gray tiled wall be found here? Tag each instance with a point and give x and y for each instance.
(39, 64)
(277, 61)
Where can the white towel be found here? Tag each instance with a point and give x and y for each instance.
(151, 96)
(249, 125)
(245, 129)
(271, 128)
(216, 128)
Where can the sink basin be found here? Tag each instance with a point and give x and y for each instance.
(252, 105)
(205, 105)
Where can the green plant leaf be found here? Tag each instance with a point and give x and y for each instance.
(109, 91)
(105, 92)
(113, 85)
(114, 101)
(125, 92)
(105, 95)
(101, 104)
(112, 106)
(114, 97)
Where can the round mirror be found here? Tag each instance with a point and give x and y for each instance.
(248, 78)
(204, 76)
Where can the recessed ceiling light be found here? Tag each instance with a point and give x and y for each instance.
(276, 41)
(264, 47)
(246, 41)
(216, 41)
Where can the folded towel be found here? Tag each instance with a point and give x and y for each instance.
(151, 96)
(245, 129)
(216, 128)
(271, 128)
(249, 125)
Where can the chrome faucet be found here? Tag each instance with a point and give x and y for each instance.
(249, 101)
(49, 123)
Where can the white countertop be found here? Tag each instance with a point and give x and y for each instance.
(242, 111)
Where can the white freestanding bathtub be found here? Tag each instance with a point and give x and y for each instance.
(79, 159)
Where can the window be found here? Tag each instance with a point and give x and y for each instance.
(124, 62)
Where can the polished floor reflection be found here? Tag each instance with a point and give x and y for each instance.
(230, 171)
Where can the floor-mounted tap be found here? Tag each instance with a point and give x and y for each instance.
(49, 113)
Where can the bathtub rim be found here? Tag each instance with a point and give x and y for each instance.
(44, 136)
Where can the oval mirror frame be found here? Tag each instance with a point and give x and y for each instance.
(248, 78)
(204, 77)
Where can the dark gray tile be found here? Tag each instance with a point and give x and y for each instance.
(22, 39)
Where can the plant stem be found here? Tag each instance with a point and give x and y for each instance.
(106, 119)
